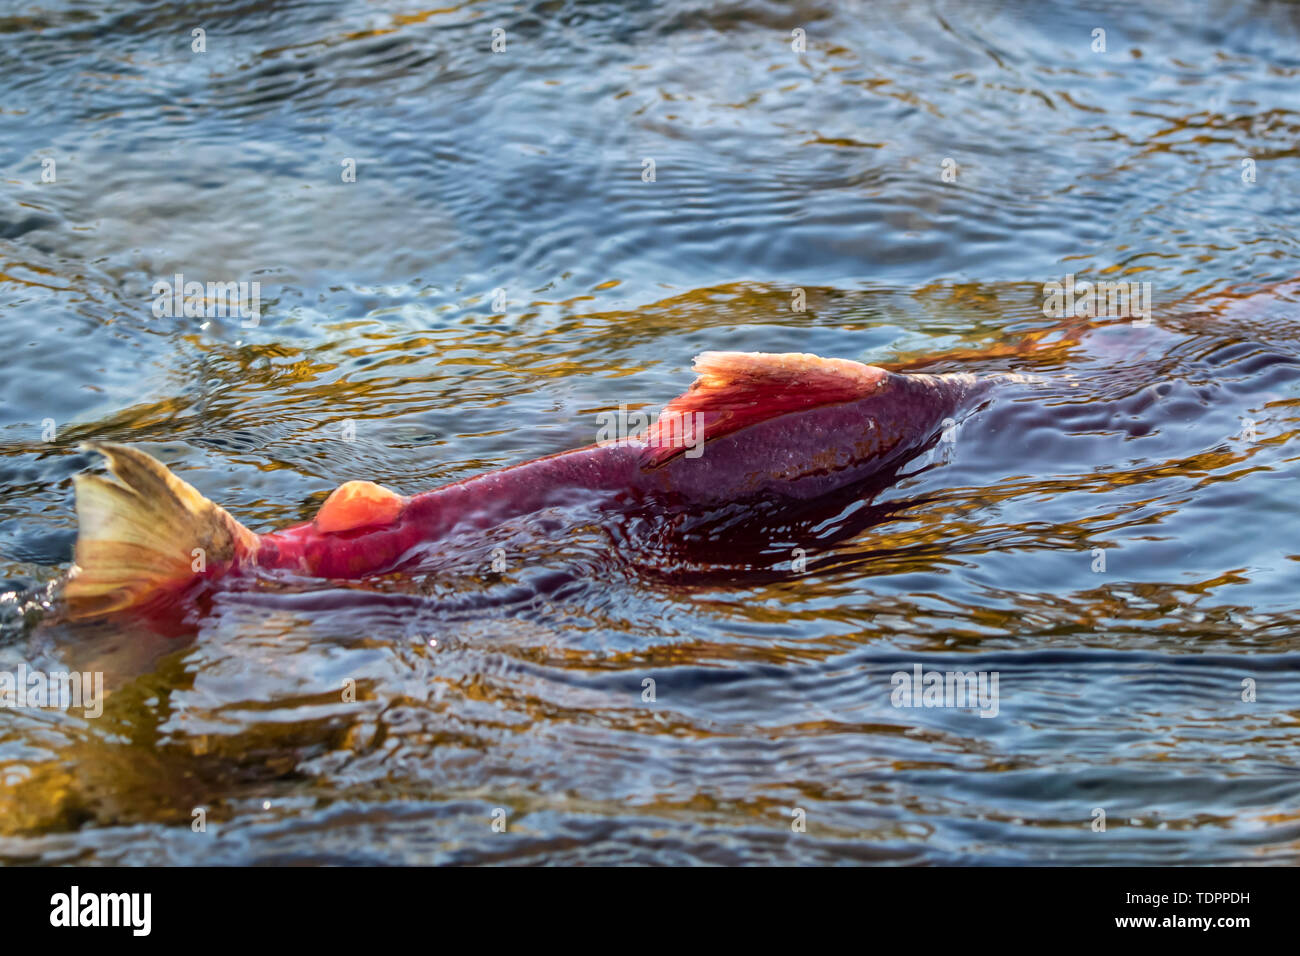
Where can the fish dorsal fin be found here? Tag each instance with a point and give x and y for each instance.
(358, 504)
(737, 389)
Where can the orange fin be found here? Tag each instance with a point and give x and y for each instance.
(142, 532)
(358, 504)
(737, 389)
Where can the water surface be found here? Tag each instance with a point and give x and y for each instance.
(381, 354)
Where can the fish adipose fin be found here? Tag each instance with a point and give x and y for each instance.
(137, 534)
(737, 389)
(358, 504)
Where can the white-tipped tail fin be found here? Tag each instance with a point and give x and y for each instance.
(143, 534)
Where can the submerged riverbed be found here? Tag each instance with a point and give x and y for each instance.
(541, 234)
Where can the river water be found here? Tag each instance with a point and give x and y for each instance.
(546, 232)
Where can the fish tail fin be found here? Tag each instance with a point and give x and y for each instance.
(144, 533)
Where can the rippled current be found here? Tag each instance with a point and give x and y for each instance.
(1116, 539)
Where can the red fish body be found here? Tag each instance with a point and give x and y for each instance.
(753, 426)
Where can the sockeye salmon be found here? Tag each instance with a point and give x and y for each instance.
(753, 425)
